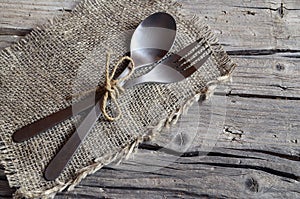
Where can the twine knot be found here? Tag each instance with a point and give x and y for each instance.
(112, 86)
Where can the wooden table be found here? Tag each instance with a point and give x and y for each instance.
(254, 154)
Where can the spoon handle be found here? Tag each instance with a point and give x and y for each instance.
(45, 123)
(35, 128)
(62, 158)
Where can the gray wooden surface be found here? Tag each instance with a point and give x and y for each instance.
(254, 154)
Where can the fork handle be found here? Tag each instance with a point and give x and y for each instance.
(62, 158)
(45, 123)
(50, 121)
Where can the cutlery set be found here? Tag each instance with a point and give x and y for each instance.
(150, 44)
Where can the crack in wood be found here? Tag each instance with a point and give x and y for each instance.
(65, 10)
(245, 95)
(233, 134)
(292, 56)
(259, 52)
(258, 8)
(253, 167)
(192, 153)
(15, 31)
(284, 156)
(279, 86)
(281, 10)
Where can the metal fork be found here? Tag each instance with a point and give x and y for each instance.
(174, 68)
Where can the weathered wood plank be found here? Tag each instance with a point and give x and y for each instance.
(252, 24)
(243, 25)
(28, 14)
(255, 153)
(271, 76)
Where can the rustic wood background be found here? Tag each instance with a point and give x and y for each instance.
(254, 154)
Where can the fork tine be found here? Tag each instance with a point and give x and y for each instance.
(202, 61)
(192, 52)
(193, 68)
(195, 58)
(180, 59)
(189, 54)
(188, 48)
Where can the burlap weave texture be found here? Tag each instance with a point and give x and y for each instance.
(68, 56)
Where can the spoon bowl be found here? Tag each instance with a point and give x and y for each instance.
(153, 39)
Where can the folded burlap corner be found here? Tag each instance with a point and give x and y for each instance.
(68, 56)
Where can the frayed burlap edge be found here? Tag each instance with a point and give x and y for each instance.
(8, 160)
(126, 152)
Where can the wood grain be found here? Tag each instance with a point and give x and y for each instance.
(253, 148)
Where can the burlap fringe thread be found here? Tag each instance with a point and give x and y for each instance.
(126, 152)
(7, 160)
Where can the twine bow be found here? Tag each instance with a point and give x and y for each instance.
(112, 87)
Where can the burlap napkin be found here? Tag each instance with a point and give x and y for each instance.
(68, 56)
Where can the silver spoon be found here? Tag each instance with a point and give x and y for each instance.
(150, 42)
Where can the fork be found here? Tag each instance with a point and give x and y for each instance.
(174, 68)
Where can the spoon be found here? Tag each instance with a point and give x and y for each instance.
(150, 42)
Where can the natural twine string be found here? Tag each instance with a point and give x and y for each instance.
(112, 87)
